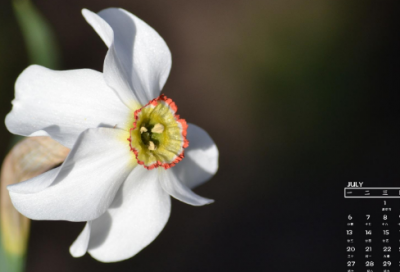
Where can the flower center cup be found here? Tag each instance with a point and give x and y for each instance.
(158, 135)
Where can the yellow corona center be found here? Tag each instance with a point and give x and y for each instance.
(158, 136)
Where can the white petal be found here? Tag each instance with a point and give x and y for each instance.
(79, 247)
(37, 183)
(138, 214)
(102, 28)
(201, 158)
(86, 183)
(170, 183)
(138, 62)
(62, 104)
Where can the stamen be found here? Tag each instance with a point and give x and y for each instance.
(152, 146)
(158, 128)
(143, 129)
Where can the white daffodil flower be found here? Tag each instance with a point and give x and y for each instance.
(127, 143)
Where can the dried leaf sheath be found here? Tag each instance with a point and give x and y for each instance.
(27, 159)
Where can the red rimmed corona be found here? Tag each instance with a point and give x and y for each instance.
(158, 136)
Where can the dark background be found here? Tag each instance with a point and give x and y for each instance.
(300, 97)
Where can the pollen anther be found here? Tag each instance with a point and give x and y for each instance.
(143, 129)
(158, 128)
(152, 146)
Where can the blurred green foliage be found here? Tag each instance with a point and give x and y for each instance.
(39, 38)
(10, 262)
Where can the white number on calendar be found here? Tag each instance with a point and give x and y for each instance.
(387, 263)
(387, 249)
(369, 263)
(351, 249)
(351, 263)
(369, 249)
